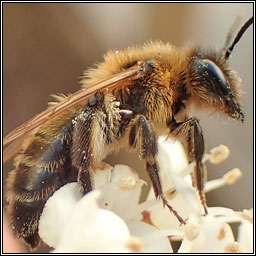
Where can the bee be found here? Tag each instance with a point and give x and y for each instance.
(127, 101)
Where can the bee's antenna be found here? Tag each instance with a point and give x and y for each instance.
(238, 37)
(232, 30)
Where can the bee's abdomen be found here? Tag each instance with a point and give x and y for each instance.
(36, 177)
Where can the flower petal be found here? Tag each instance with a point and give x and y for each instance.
(153, 239)
(187, 192)
(122, 195)
(57, 212)
(102, 175)
(245, 236)
(90, 228)
(171, 154)
(212, 237)
(162, 218)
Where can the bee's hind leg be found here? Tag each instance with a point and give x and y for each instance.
(94, 128)
(82, 147)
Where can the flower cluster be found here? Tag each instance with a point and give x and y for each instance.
(111, 218)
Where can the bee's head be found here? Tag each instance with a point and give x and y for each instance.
(213, 83)
(217, 86)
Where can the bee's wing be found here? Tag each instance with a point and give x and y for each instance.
(29, 128)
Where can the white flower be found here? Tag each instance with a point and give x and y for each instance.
(85, 228)
(201, 234)
(107, 219)
(205, 235)
(245, 233)
(110, 219)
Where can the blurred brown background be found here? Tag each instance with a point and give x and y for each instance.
(46, 47)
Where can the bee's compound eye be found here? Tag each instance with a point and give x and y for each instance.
(209, 69)
(92, 101)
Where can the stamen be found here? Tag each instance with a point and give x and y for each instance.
(192, 231)
(248, 215)
(135, 244)
(232, 176)
(127, 183)
(228, 178)
(219, 154)
(233, 247)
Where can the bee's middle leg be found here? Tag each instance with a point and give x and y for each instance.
(141, 133)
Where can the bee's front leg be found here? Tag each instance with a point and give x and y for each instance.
(195, 148)
(141, 133)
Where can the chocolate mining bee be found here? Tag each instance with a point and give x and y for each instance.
(128, 100)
